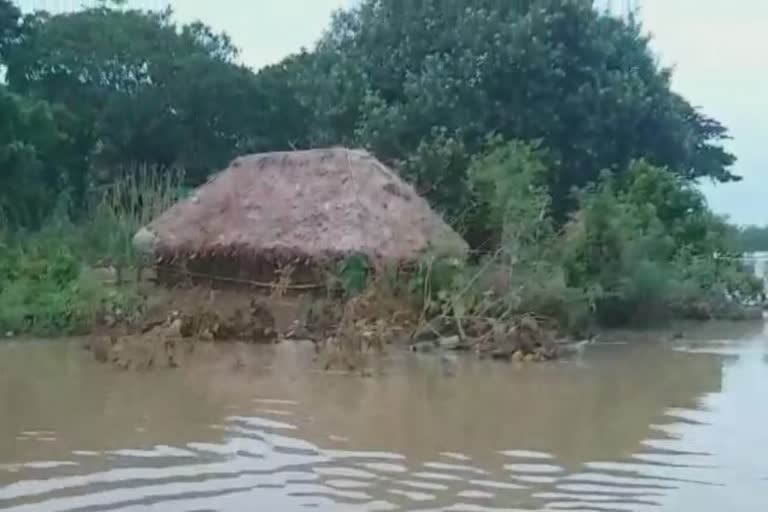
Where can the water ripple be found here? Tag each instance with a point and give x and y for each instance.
(275, 454)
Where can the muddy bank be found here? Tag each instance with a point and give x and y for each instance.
(173, 323)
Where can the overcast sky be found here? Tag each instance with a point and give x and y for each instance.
(717, 48)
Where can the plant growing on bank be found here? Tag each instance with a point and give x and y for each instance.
(642, 248)
(121, 209)
(45, 288)
(47, 279)
(521, 270)
(525, 271)
(651, 248)
(353, 274)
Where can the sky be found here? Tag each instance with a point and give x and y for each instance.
(717, 48)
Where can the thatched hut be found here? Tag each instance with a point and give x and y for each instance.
(300, 208)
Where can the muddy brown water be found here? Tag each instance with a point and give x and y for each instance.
(640, 423)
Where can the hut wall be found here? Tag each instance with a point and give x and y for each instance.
(237, 272)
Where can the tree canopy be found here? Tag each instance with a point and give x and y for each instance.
(144, 89)
(424, 84)
(29, 137)
(397, 75)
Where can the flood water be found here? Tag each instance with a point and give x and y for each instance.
(641, 424)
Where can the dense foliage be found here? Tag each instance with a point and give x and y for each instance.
(138, 89)
(648, 247)
(544, 130)
(423, 84)
(401, 76)
(30, 141)
(46, 288)
(642, 247)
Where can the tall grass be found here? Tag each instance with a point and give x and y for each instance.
(122, 208)
(45, 283)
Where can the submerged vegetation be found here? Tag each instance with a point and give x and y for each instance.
(544, 131)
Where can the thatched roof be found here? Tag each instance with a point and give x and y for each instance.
(315, 205)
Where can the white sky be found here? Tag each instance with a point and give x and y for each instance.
(717, 47)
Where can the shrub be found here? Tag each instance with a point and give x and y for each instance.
(649, 243)
(520, 269)
(44, 289)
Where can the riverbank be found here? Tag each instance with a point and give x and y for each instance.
(616, 262)
(170, 323)
(170, 327)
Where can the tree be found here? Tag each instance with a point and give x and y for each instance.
(285, 92)
(34, 159)
(423, 83)
(646, 241)
(583, 83)
(143, 89)
(10, 17)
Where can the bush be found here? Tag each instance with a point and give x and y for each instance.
(648, 243)
(642, 248)
(520, 269)
(44, 289)
(45, 283)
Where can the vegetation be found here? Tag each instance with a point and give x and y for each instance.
(642, 248)
(751, 239)
(424, 83)
(47, 282)
(46, 288)
(544, 130)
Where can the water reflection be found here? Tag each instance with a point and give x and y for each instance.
(633, 425)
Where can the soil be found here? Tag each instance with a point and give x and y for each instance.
(173, 322)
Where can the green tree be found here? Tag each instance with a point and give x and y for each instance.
(36, 159)
(286, 90)
(646, 243)
(142, 88)
(508, 182)
(10, 17)
(388, 74)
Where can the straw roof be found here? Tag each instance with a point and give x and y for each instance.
(317, 204)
